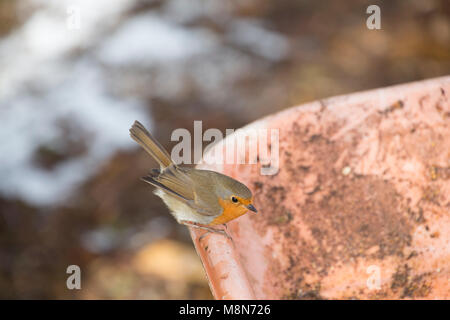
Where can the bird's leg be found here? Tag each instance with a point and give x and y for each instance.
(204, 227)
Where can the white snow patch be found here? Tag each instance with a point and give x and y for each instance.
(148, 39)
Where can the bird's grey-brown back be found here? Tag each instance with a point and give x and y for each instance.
(219, 184)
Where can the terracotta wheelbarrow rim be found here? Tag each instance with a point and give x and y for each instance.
(226, 276)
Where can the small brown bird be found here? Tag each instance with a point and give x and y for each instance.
(196, 198)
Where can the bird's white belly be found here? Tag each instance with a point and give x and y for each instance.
(182, 211)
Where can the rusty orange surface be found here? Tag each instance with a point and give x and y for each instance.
(360, 206)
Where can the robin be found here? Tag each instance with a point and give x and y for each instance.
(198, 198)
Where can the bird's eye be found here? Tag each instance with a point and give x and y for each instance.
(234, 199)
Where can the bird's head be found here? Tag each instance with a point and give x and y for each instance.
(236, 195)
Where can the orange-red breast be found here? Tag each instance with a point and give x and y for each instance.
(197, 198)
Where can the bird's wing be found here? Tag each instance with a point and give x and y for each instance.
(178, 183)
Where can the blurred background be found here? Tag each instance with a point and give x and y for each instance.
(74, 75)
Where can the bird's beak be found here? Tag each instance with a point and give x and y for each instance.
(252, 208)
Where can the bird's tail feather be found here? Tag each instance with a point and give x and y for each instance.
(150, 144)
